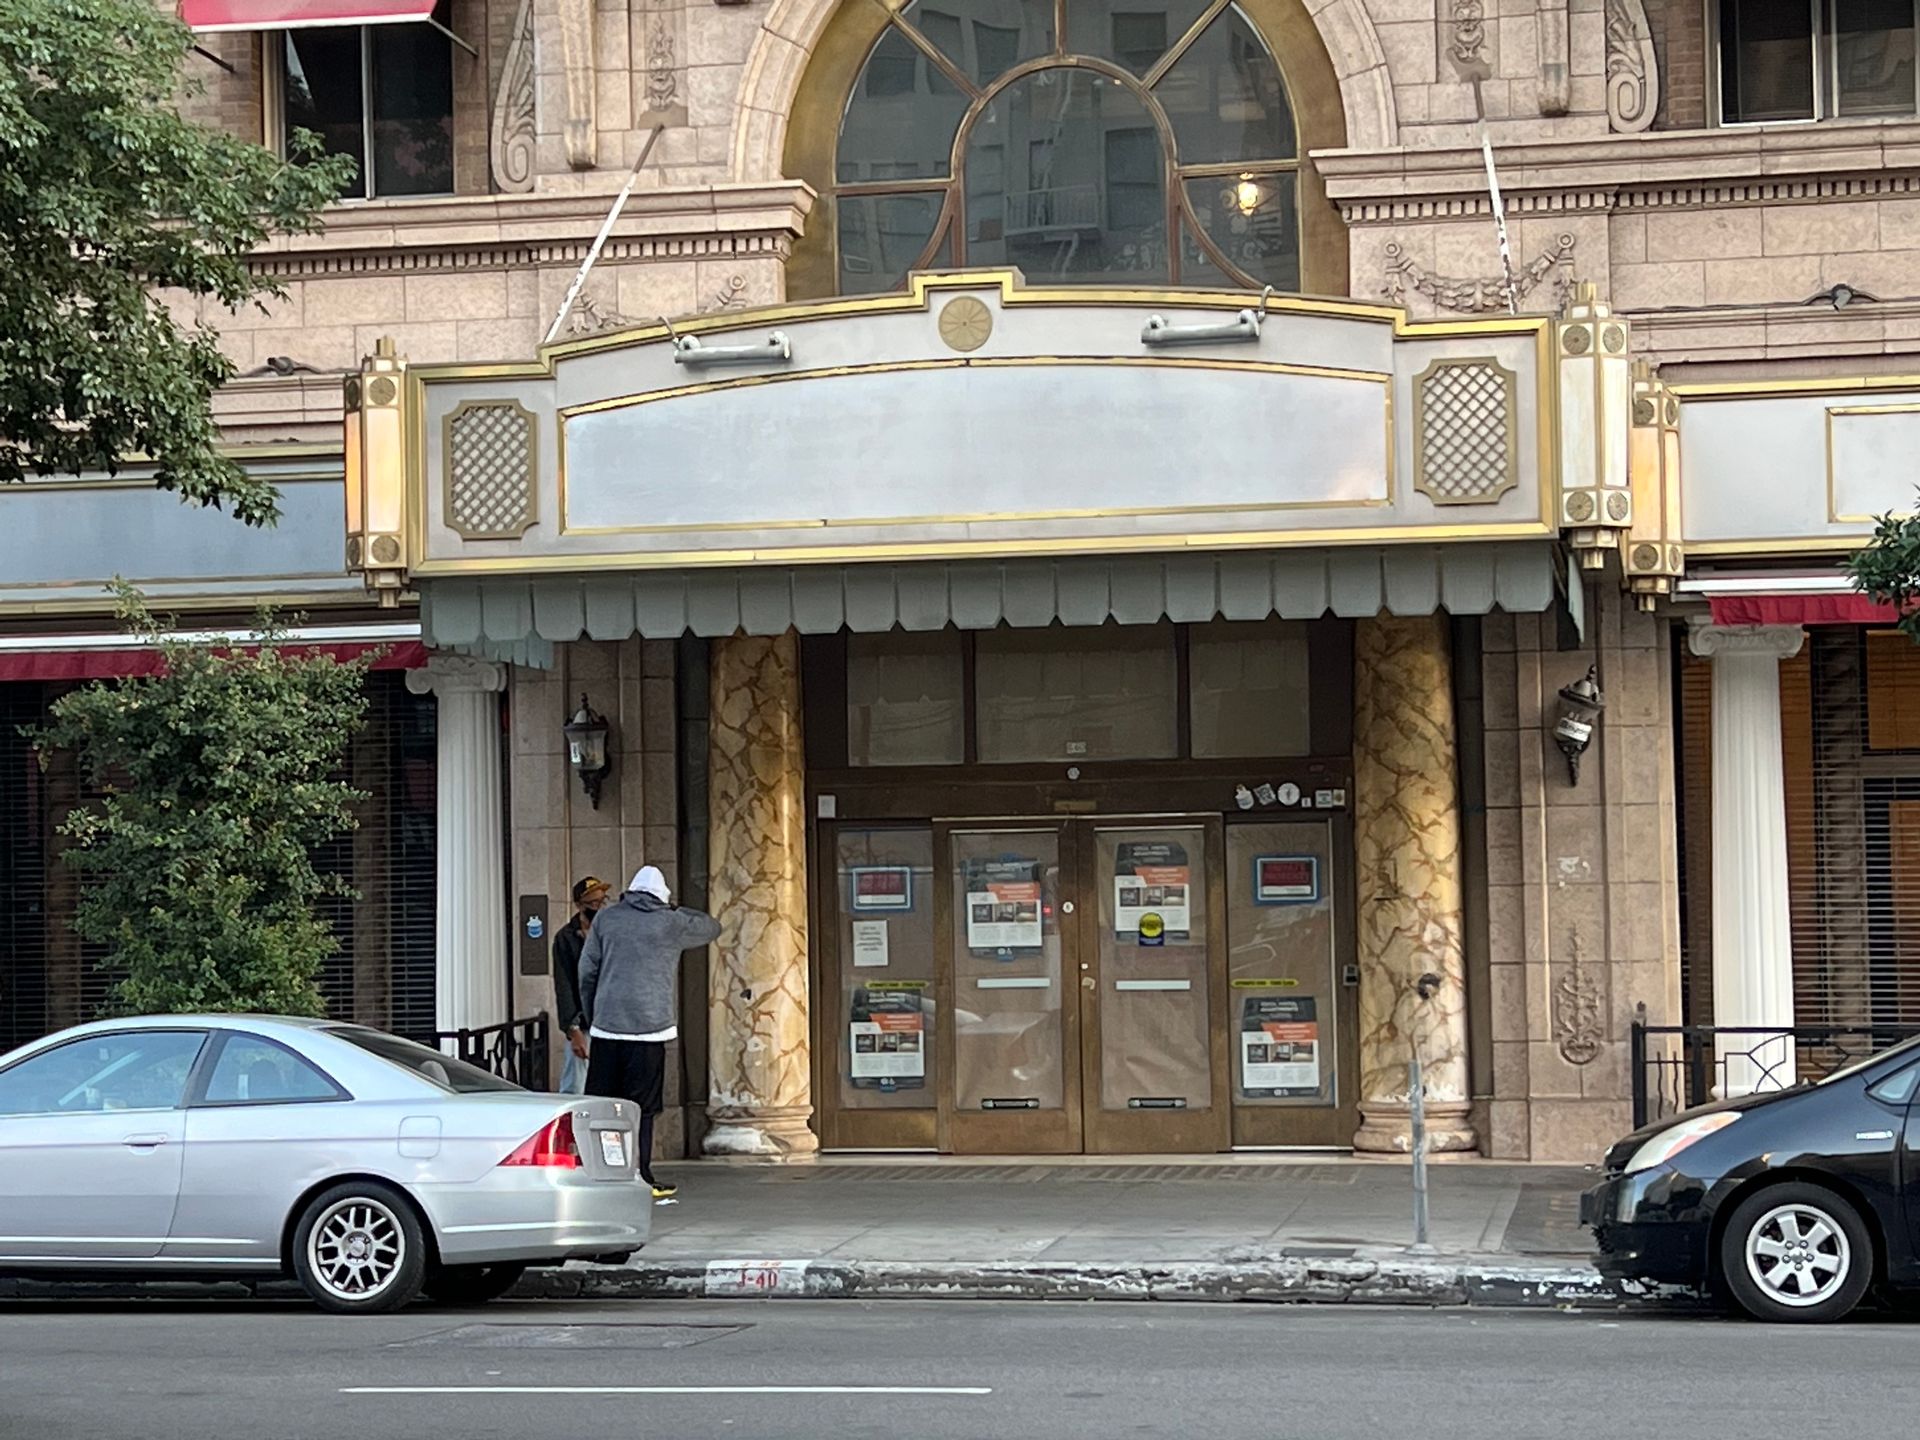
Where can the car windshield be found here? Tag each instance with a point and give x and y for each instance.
(443, 1070)
(1905, 1047)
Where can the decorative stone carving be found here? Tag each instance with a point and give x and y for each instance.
(1579, 1006)
(1556, 66)
(590, 317)
(1407, 855)
(1478, 295)
(576, 53)
(662, 100)
(512, 146)
(1463, 38)
(491, 463)
(1633, 70)
(1466, 418)
(731, 294)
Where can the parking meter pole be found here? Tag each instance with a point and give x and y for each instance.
(1417, 1125)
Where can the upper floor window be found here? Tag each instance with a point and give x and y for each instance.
(1092, 142)
(1815, 59)
(380, 93)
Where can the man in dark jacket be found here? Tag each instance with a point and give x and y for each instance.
(627, 974)
(589, 895)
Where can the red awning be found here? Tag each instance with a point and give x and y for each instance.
(93, 664)
(1814, 609)
(214, 15)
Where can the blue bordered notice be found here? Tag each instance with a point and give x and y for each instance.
(1286, 879)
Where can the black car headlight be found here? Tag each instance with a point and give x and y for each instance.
(1675, 1138)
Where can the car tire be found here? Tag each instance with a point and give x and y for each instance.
(359, 1249)
(471, 1284)
(1796, 1254)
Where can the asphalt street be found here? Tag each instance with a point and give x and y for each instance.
(928, 1371)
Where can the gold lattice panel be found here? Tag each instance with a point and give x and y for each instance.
(1464, 425)
(490, 470)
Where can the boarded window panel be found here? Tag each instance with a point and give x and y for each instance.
(1103, 693)
(1249, 688)
(906, 702)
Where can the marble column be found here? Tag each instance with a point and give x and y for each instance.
(1406, 806)
(470, 901)
(1752, 930)
(760, 1095)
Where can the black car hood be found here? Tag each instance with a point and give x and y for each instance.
(1623, 1149)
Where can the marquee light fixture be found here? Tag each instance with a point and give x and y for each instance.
(376, 472)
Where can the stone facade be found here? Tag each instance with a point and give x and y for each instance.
(1715, 245)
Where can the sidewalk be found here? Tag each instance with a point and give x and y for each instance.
(1243, 1227)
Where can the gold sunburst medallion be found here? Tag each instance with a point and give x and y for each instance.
(965, 324)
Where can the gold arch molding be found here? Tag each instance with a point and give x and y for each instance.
(1313, 89)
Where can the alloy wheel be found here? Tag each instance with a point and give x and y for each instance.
(355, 1248)
(1798, 1255)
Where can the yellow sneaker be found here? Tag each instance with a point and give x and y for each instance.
(665, 1192)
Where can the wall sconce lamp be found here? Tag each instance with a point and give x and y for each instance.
(586, 736)
(1580, 707)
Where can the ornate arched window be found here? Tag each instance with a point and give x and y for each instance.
(1088, 142)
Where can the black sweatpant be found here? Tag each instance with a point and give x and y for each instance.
(633, 1070)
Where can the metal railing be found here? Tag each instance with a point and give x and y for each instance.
(516, 1050)
(1676, 1067)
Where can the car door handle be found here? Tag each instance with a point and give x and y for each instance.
(144, 1142)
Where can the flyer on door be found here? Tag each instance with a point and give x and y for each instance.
(1003, 905)
(889, 1046)
(1152, 879)
(1279, 1047)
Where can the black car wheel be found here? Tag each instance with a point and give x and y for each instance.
(472, 1284)
(1796, 1253)
(359, 1249)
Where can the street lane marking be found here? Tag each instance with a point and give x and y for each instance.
(666, 1390)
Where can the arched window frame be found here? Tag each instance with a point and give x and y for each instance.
(947, 244)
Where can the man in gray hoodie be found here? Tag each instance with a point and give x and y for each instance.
(627, 974)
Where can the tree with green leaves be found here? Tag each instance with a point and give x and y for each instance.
(216, 780)
(111, 203)
(1888, 569)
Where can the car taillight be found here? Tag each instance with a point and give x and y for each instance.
(552, 1144)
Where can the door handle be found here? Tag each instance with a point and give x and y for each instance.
(1087, 982)
(144, 1142)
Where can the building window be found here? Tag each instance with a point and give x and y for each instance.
(1083, 144)
(380, 93)
(1081, 694)
(1824, 59)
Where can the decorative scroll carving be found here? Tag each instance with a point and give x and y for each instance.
(1579, 1006)
(590, 317)
(1478, 295)
(576, 51)
(1465, 429)
(1463, 38)
(490, 465)
(1556, 64)
(665, 93)
(731, 294)
(512, 146)
(1633, 71)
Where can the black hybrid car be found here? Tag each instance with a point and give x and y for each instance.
(1792, 1203)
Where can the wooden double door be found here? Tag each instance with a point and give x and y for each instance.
(1039, 986)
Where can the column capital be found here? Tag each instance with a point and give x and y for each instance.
(458, 675)
(1777, 642)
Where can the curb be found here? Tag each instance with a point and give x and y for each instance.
(1384, 1281)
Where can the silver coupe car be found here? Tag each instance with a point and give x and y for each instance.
(369, 1167)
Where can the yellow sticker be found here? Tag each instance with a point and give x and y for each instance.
(1266, 984)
